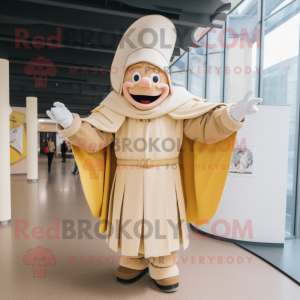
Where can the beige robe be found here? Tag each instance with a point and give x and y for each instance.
(149, 198)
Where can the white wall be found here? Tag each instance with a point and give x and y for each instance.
(261, 199)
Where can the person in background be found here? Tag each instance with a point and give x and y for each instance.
(75, 172)
(64, 150)
(51, 148)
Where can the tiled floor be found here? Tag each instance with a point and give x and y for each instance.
(84, 268)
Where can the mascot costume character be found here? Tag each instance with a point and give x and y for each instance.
(139, 150)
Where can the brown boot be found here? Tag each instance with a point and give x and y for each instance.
(166, 278)
(129, 276)
(168, 285)
(132, 269)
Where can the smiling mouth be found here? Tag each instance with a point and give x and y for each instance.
(144, 99)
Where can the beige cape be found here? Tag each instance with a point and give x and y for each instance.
(202, 188)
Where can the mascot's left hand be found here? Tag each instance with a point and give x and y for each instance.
(245, 107)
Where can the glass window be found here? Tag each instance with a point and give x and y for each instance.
(273, 6)
(215, 67)
(196, 71)
(180, 64)
(179, 79)
(241, 50)
(178, 71)
(228, 65)
(280, 81)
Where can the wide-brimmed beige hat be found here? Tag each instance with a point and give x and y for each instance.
(149, 39)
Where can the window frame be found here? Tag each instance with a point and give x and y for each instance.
(259, 93)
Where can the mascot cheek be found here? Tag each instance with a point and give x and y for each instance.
(165, 87)
(126, 87)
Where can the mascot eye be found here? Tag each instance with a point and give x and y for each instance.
(136, 77)
(155, 77)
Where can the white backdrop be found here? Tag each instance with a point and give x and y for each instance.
(257, 203)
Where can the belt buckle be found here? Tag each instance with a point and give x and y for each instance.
(142, 163)
(148, 166)
(145, 163)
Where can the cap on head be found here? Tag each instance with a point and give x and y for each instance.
(149, 39)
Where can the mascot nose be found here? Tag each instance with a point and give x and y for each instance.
(145, 82)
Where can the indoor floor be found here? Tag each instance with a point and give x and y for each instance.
(84, 268)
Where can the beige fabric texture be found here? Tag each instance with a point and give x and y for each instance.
(213, 126)
(180, 105)
(134, 263)
(163, 273)
(165, 261)
(134, 197)
(86, 136)
(150, 198)
(143, 163)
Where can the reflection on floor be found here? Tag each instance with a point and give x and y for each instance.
(286, 259)
(80, 266)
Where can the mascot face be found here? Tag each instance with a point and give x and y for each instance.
(145, 86)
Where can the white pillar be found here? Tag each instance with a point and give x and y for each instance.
(32, 147)
(5, 195)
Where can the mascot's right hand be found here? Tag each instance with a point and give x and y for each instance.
(59, 113)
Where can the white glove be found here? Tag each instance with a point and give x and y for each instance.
(10, 110)
(245, 107)
(60, 114)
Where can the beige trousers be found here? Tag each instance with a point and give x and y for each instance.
(161, 267)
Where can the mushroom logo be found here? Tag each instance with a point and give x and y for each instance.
(39, 258)
(40, 68)
(94, 165)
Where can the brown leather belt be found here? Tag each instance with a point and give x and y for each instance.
(147, 163)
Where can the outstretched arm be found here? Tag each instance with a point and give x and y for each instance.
(222, 121)
(78, 132)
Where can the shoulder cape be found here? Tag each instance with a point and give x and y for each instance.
(204, 167)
